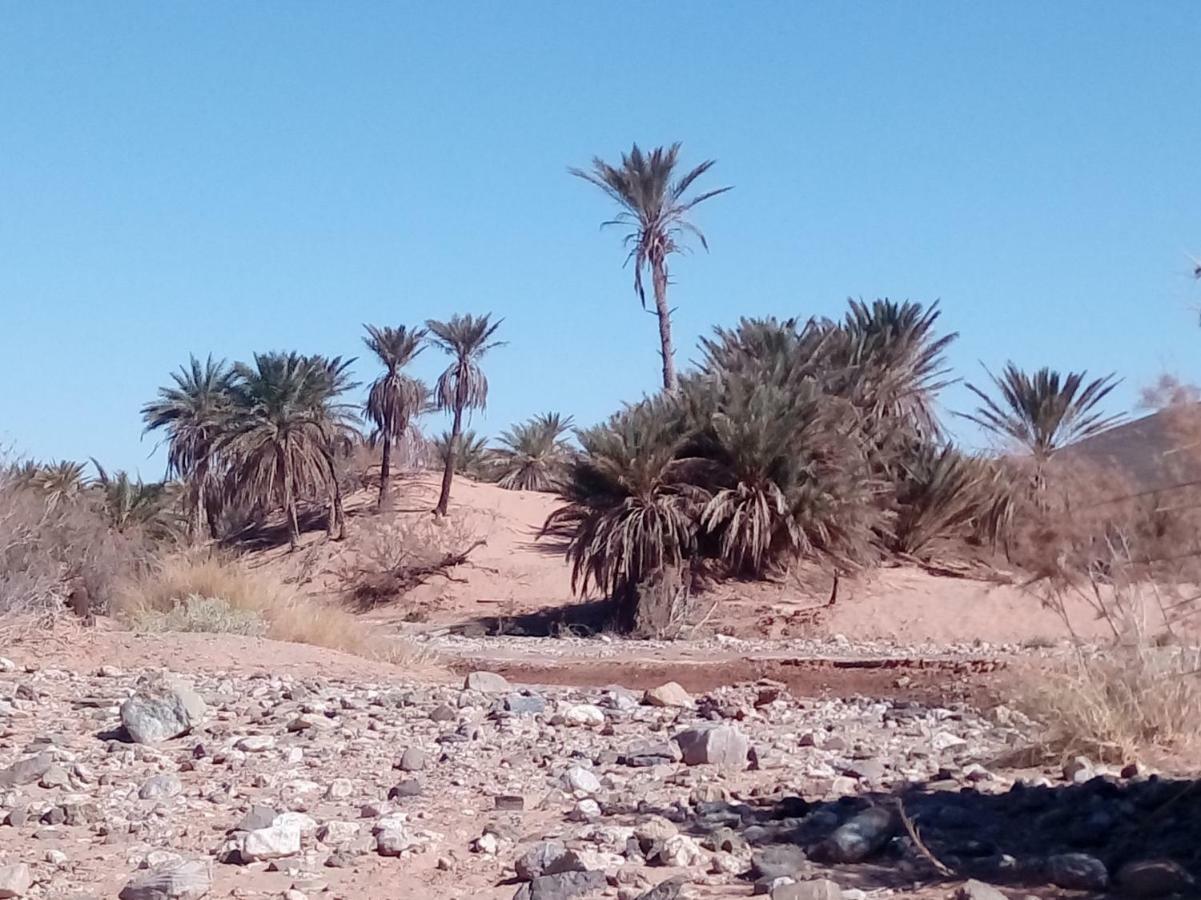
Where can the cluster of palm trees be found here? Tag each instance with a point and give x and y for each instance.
(271, 434)
(817, 440)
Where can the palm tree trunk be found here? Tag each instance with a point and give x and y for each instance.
(198, 498)
(452, 453)
(289, 500)
(664, 314)
(385, 466)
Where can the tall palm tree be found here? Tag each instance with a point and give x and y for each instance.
(1043, 412)
(275, 436)
(653, 204)
(394, 398)
(463, 386)
(191, 412)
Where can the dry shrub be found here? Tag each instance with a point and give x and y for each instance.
(162, 595)
(395, 556)
(1116, 704)
(1144, 689)
(55, 554)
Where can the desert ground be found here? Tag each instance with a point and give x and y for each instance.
(796, 743)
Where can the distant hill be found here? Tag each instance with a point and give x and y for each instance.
(1158, 451)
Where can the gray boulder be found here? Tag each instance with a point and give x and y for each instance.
(715, 745)
(161, 709)
(188, 880)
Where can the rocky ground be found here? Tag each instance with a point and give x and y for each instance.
(147, 786)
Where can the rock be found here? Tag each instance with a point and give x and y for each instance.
(15, 880)
(1078, 770)
(443, 713)
(665, 890)
(1153, 878)
(584, 715)
(26, 771)
(161, 709)
(55, 777)
(654, 830)
(393, 836)
(334, 832)
(563, 886)
(274, 842)
(778, 861)
(716, 745)
(486, 683)
(580, 781)
(159, 787)
(412, 760)
(188, 880)
(670, 696)
(1077, 871)
(862, 836)
(681, 852)
(524, 704)
(508, 802)
(408, 788)
(258, 816)
(538, 859)
(585, 811)
(255, 743)
(821, 889)
(978, 890)
(340, 789)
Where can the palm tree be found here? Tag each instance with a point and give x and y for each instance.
(192, 412)
(276, 438)
(337, 420)
(1043, 412)
(128, 503)
(394, 398)
(629, 522)
(59, 482)
(472, 457)
(533, 455)
(463, 386)
(654, 206)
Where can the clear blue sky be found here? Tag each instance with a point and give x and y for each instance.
(229, 177)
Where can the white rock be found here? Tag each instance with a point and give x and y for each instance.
(584, 715)
(580, 781)
(305, 824)
(337, 832)
(485, 683)
(15, 880)
(681, 851)
(275, 842)
(670, 695)
(255, 743)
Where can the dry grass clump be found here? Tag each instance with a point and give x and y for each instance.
(211, 593)
(1141, 691)
(1116, 704)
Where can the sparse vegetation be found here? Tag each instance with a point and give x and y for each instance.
(230, 595)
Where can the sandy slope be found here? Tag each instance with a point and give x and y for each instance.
(513, 574)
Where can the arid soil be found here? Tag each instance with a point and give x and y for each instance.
(332, 780)
(787, 746)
